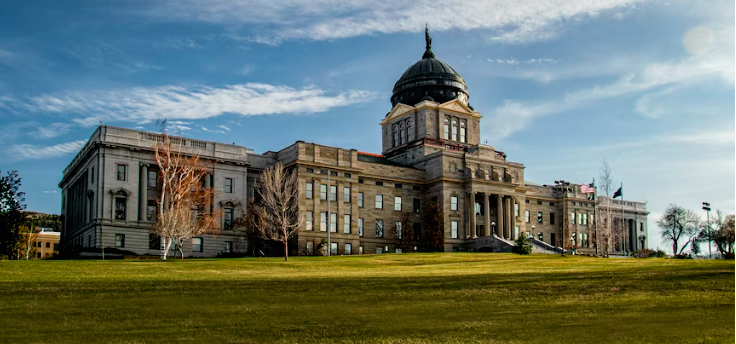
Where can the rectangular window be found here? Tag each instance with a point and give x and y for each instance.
(539, 217)
(540, 236)
(551, 218)
(310, 248)
(417, 205)
(228, 247)
(539, 202)
(152, 179)
(398, 229)
(397, 203)
(526, 216)
(379, 228)
(333, 193)
(120, 208)
(151, 211)
(323, 191)
(360, 249)
(379, 183)
(197, 245)
(572, 218)
(310, 170)
(360, 199)
(310, 190)
(92, 175)
(121, 172)
(333, 222)
(453, 203)
(580, 218)
(346, 224)
(154, 242)
(360, 227)
(462, 132)
(379, 201)
(227, 223)
(551, 204)
(417, 231)
(348, 249)
(398, 186)
(48, 244)
(348, 175)
(552, 239)
(453, 227)
(310, 221)
(585, 219)
(346, 194)
(516, 209)
(379, 250)
(333, 248)
(119, 240)
(323, 221)
(360, 181)
(228, 185)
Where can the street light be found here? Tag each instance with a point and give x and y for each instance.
(493, 227)
(706, 207)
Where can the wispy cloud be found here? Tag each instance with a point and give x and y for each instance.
(28, 151)
(514, 62)
(53, 130)
(513, 21)
(147, 104)
(706, 62)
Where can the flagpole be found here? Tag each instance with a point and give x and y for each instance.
(623, 232)
(595, 213)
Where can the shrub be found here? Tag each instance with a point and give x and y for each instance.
(523, 245)
(647, 253)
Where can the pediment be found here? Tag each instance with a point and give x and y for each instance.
(456, 105)
(398, 111)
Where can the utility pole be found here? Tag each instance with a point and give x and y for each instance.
(706, 207)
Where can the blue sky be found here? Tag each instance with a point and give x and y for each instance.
(647, 85)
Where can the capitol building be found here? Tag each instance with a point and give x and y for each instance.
(431, 151)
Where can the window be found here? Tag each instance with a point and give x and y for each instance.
(379, 183)
(379, 250)
(397, 203)
(360, 199)
(151, 211)
(417, 205)
(396, 136)
(120, 208)
(197, 245)
(360, 181)
(572, 218)
(641, 224)
(347, 175)
(580, 218)
(333, 222)
(417, 231)
(551, 204)
(310, 248)
(333, 248)
(398, 186)
(348, 249)
(379, 228)
(346, 224)
(585, 219)
(478, 209)
(346, 194)
(154, 242)
(228, 185)
(417, 188)
(402, 134)
(385, 249)
(526, 216)
(379, 201)
(322, 191)
(228, 220)
(310, 221)
(539, 202)
(453, 168)
(540, 236)
(228, 247)
(152, 179)
(310, 190)
(38, 255)
(360, 227)
(592, 220)
(333, 192)
(48, 244)
(360, 249)
(551, 218)
(119, 240)
(39, 244)
(539, 217)
(552, 239)
(447, 129)
(453, 203)
(323, 221)
(454, 130)
(453, 227)
(462, 132)
(310, 170)
(526, 201)
(121, 172)
(516, 209)
(398, 229)
(92, 175)
(516, 232)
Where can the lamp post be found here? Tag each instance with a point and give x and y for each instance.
(706, 207)
(493, 227)
(562, 185)
(533, 227)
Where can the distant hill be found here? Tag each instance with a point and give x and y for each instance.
(43, 220)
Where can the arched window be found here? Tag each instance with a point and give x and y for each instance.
(447, 129)
(396, 136)
(462, 132)
(454, 130)
(402, 133)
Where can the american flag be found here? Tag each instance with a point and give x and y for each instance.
(587, 188)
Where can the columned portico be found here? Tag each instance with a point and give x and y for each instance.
(487, 210)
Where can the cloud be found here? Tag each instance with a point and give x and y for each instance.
(513, 21)
(53, 130)
(212, 131)
(51, 192)
(28, 151)
(147, 104)
(714, 61)
(224, 127)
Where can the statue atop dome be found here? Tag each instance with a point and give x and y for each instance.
(428, 39)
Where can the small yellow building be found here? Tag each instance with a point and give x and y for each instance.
(47, 243)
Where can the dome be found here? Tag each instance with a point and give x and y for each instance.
(430, 78)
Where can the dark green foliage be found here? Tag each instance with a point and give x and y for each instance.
(433, 222)
(523, 245)
(647, 253)
(11, 214)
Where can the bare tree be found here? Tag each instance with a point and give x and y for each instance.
(245, 224)
(404, 232)
(433, 222)
(27, 242)
(678, 223)
(605, 225)
(184, 204)
(277, 213)
(722, 233)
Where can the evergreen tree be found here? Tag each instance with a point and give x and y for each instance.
(523, 245)
(11, 214)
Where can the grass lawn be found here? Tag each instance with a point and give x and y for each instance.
(409, 298)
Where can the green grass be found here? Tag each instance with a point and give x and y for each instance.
(410, 298)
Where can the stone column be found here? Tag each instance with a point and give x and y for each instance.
(499, 216)
(207, 180)
(473, 218)
(510, 232)
(468, 209)
(512, 211)
(487, 209)
(143, 193)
